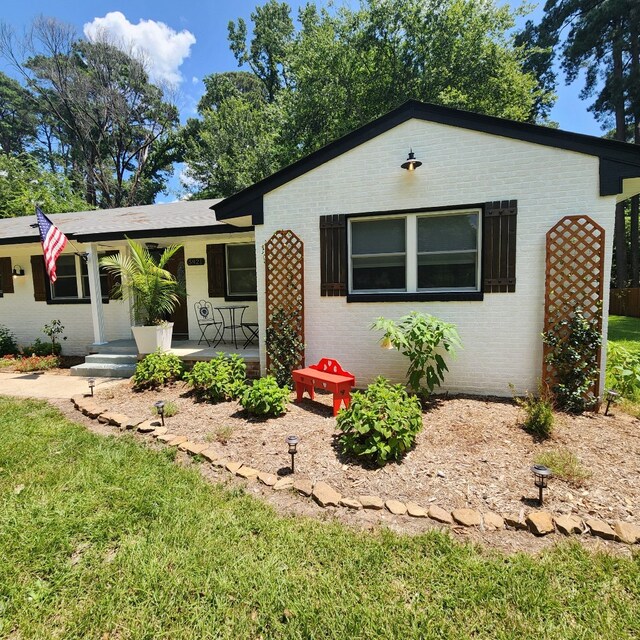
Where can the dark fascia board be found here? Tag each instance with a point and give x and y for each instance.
(135, 235)
(614, 154)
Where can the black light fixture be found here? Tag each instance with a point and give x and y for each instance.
(612, 396)
(92, 383)
(411, 162)
(541, 475)
(160, 409)
(151, 246)
(292, 441)
(18, 271)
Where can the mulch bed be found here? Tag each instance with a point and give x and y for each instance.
(472, 452)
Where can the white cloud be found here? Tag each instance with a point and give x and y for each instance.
(163, 48)
(194, 80)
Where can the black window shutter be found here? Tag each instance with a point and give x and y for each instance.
(333, 255)
(6, 276)
(40, 280)
(112, 279)
(216, 272)
(499, 246)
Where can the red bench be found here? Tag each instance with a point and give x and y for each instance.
(327, 375)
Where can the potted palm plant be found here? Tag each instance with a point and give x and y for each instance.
(153, 291)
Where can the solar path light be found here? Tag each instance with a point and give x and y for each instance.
(292, 442)
(541, 475)
(160, 409)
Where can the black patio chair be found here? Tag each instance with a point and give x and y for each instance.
(206, 319)
(250, 330)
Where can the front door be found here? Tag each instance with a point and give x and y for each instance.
(179, 315)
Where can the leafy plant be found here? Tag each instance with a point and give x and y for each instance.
(156, 370)
(220, 379)
(170, 409)
(421, 338)
(8, 344)
(155, 292)
(265, 397)
(381, 423)
(284, 346)
(565, 465)
(41, 348)
(37, 363)
(574, 344)
(53, 330)
(539, 410)
(221, 433)
(623, 370)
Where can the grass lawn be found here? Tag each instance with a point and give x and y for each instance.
(103, 538)
(625, 331)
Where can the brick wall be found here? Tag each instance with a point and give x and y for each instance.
(501, 334)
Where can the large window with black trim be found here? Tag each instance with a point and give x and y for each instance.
(241, 270)
(415, 252)
(72, 281)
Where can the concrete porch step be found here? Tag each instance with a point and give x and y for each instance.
(103, 370)
(111, 358)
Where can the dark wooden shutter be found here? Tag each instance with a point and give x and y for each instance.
(216, 273)
(40, 281)
(333, 255)
(112, 279)
(499, 246)
(6, 276)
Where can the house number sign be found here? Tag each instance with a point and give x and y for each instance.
(195, 262)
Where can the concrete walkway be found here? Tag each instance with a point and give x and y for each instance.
(40, 385)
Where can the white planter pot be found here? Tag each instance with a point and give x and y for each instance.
(150, 339)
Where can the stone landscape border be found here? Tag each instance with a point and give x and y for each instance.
(539, 523)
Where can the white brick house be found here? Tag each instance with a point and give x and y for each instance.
(395, 222)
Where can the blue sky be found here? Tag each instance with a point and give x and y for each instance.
(188, 40)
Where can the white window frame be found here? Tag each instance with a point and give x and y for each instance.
(411, 248)
(79, 282)
(228, 269)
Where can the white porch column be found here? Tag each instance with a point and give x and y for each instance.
(97, 313)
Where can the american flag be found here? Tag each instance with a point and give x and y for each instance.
(53, 243)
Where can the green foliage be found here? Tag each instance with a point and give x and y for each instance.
(18, 123)
(421, 338)
(155, 292)
(41, 348)
(221, 379)
(54, 330)
(623, 370)
(37, 363)
(381, 423)
(170, 409)
(8, 344)
(565, 465)
(539, 411)
(574, 344)
(265, 398)
(284, 346)
(156, 370)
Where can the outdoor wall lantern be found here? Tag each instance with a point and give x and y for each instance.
(92, 383)
(292, 441)
(411, 162)
(541, 475)
(160, 408)
(612, 396)
(18, 271)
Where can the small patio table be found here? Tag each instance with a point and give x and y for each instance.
(230, 321)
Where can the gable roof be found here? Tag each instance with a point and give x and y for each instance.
(185, 217)
(618, 160)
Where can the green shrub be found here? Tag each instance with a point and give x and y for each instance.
(265, 397)
(284, 346)
(381, 423)
(156, 370)
(170, 409)
(37, 363)
(54, 330)
(41, 348)
(421, 338)
(539, 410)
(218, 380)
(8, 344)
(574, 347)
(623, 370)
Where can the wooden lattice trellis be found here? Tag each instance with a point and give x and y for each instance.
(284, 275)
(574, 278)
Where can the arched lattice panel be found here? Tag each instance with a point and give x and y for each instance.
(574, 277)
(284, 274)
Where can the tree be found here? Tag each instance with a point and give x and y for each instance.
(25, 184)
(18, 122)
(102, 122)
